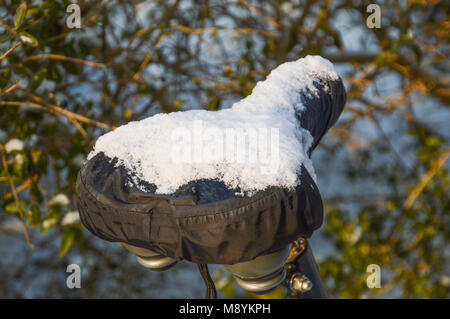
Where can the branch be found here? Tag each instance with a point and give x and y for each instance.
(11, 88)
(63, 58)
(51, 108)
(427, 178)
(342, 57)
(186, 29)
(16, 198)
(10, 50)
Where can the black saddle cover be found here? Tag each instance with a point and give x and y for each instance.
(204, 221)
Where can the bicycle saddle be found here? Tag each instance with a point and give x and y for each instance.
(123, 196)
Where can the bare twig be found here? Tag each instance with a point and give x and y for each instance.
(11, 88)
(186, 29)
(21, 187)
(148, 57)
(63, 58)
(16, 198)
(10, 50)
(57, 109)
(427, 178)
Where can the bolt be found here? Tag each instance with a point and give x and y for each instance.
(300, 283)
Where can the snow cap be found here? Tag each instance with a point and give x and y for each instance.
(256, 143)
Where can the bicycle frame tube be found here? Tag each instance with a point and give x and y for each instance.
(304, 265)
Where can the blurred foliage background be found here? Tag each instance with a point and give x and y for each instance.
(382, 170)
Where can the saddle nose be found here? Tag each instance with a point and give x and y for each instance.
(262, 274)
(150, 259)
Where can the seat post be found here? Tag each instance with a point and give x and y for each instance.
(303, 276)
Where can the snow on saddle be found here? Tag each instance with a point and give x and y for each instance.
(217, 186)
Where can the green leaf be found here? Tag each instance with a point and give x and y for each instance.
(35, 156)
(36, 193)
(127, 114)
(214, 104)
(21, 12)
(28, 39)
(5, 37)
(34, 216)
(177, 103)
(50, 221)
(14, 208)
(69, 238)
(228, 288)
